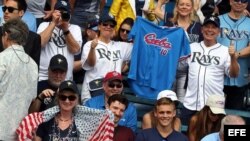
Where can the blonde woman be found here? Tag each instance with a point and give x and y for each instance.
(183, 16)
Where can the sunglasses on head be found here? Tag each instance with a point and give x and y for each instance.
(108, 24)
(10, 9)
(64, 97)
(123, 30)
(113, 85)
(242, 1)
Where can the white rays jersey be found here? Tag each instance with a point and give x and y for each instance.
(109, 57)
(207, 68)
(57, 45)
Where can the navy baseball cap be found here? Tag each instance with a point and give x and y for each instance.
(212, 19)
(107, 18)
(62, 5)
(69, 85)
(93, 25)
(58, 62)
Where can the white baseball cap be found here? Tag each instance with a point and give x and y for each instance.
(216, 103)
(168, 94)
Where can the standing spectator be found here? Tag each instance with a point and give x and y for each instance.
(183, 16)
(235, 31)
(150, 121)
(101, 56)
(57, 38)
(124, 30)
(63, 125)
(27, 17)
(85, 11)
(208, 119)
(164, 112)
(37, 8)
(14, 9)
(122, 35)
(117, 104)
(227, 120)
(46, 90)
(122, 9)
(89, 34)
(209, 63)
(112, 84)
(18, 78)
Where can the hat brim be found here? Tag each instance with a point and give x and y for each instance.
(58, 68)
(217, 110)
(211, 22)
(113, 79)
(108, 20)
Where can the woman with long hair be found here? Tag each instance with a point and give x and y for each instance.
(208, 119)
(124, 30)
(184, 17)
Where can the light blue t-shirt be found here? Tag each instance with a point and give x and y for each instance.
(211, 137)
(28, 18)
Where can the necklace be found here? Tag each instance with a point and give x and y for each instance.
(63, 119)
(57, 131)
(19, 57)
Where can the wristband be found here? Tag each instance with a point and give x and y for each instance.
(66, 32)
(39, 98)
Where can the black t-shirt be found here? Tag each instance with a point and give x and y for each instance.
(49, 131)
(48, 102)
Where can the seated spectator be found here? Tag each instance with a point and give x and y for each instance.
(164, 111)
(227, 120)
(47, 88)
(118, 104)
(112, 84)
(149, 120)
(208, 119)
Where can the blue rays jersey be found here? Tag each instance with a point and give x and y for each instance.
(155, 56)
(239, 32)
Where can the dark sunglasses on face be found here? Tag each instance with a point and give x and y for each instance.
(108, 24)
(242, 1)
(123, 30)
(10, 9)
(63, 97)
(113, 85)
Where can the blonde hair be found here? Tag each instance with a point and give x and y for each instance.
(192, 15)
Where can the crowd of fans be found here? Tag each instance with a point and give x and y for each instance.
(61, 58)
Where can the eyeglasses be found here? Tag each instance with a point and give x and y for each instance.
(242, 1)
(10, 9)
(64, 97)
(123, 30)
(108, 24)
(113, 85)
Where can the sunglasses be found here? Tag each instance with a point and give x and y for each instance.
(113, 85)
(10, 9)
(123, 30)
(108, 24)
(71, 97)
(242, 1)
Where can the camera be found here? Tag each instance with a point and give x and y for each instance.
(65, 15)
